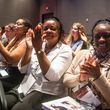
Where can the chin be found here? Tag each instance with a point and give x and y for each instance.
(104, 51)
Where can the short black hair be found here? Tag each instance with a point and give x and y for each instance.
(58, 21)
(104, 21)
(27, 23)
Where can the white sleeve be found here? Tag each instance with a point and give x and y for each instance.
(22, 69)
(59, 65)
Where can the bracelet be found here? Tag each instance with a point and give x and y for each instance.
(95, 79)
(40, 51)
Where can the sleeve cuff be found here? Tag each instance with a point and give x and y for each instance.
(101, 78)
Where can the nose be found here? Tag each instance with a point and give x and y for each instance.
(102, 39)
(48, 30)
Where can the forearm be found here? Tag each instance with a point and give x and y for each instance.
(4, 52)
(15, 55)
(43, 61)
(70, 80)
(103, 86)
(27, 57)
(11, 44)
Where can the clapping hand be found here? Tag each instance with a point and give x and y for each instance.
(37, 38)
(90, 69)
(29, 36)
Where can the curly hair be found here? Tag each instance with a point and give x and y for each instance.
(82, 33)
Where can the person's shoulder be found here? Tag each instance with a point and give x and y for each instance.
(22, 42)
(66, 47)
(83, 52)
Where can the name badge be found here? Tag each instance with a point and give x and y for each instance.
(85, 94)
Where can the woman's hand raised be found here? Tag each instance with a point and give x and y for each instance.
(90, 68)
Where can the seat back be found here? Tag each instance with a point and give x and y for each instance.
(3, 102)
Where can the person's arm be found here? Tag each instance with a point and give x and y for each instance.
(70, 80)
(103, 86)
(91, 68)
(15, 55)
(55, 69)
(11, 43)
(37, 41)
(60, 64)
(27, 56)
(72, 75)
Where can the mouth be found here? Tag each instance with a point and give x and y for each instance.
(48, 36)
(102, 46)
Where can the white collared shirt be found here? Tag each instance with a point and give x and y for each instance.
(60, 58)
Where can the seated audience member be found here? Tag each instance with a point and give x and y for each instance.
(77, 37)
(17, 43)
(44, 78)
(89, 73)
(13, 52)
(2, 30)
(8, 34)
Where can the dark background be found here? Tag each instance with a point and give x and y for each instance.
(68, 11)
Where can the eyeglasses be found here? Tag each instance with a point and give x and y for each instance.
(104, 35)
